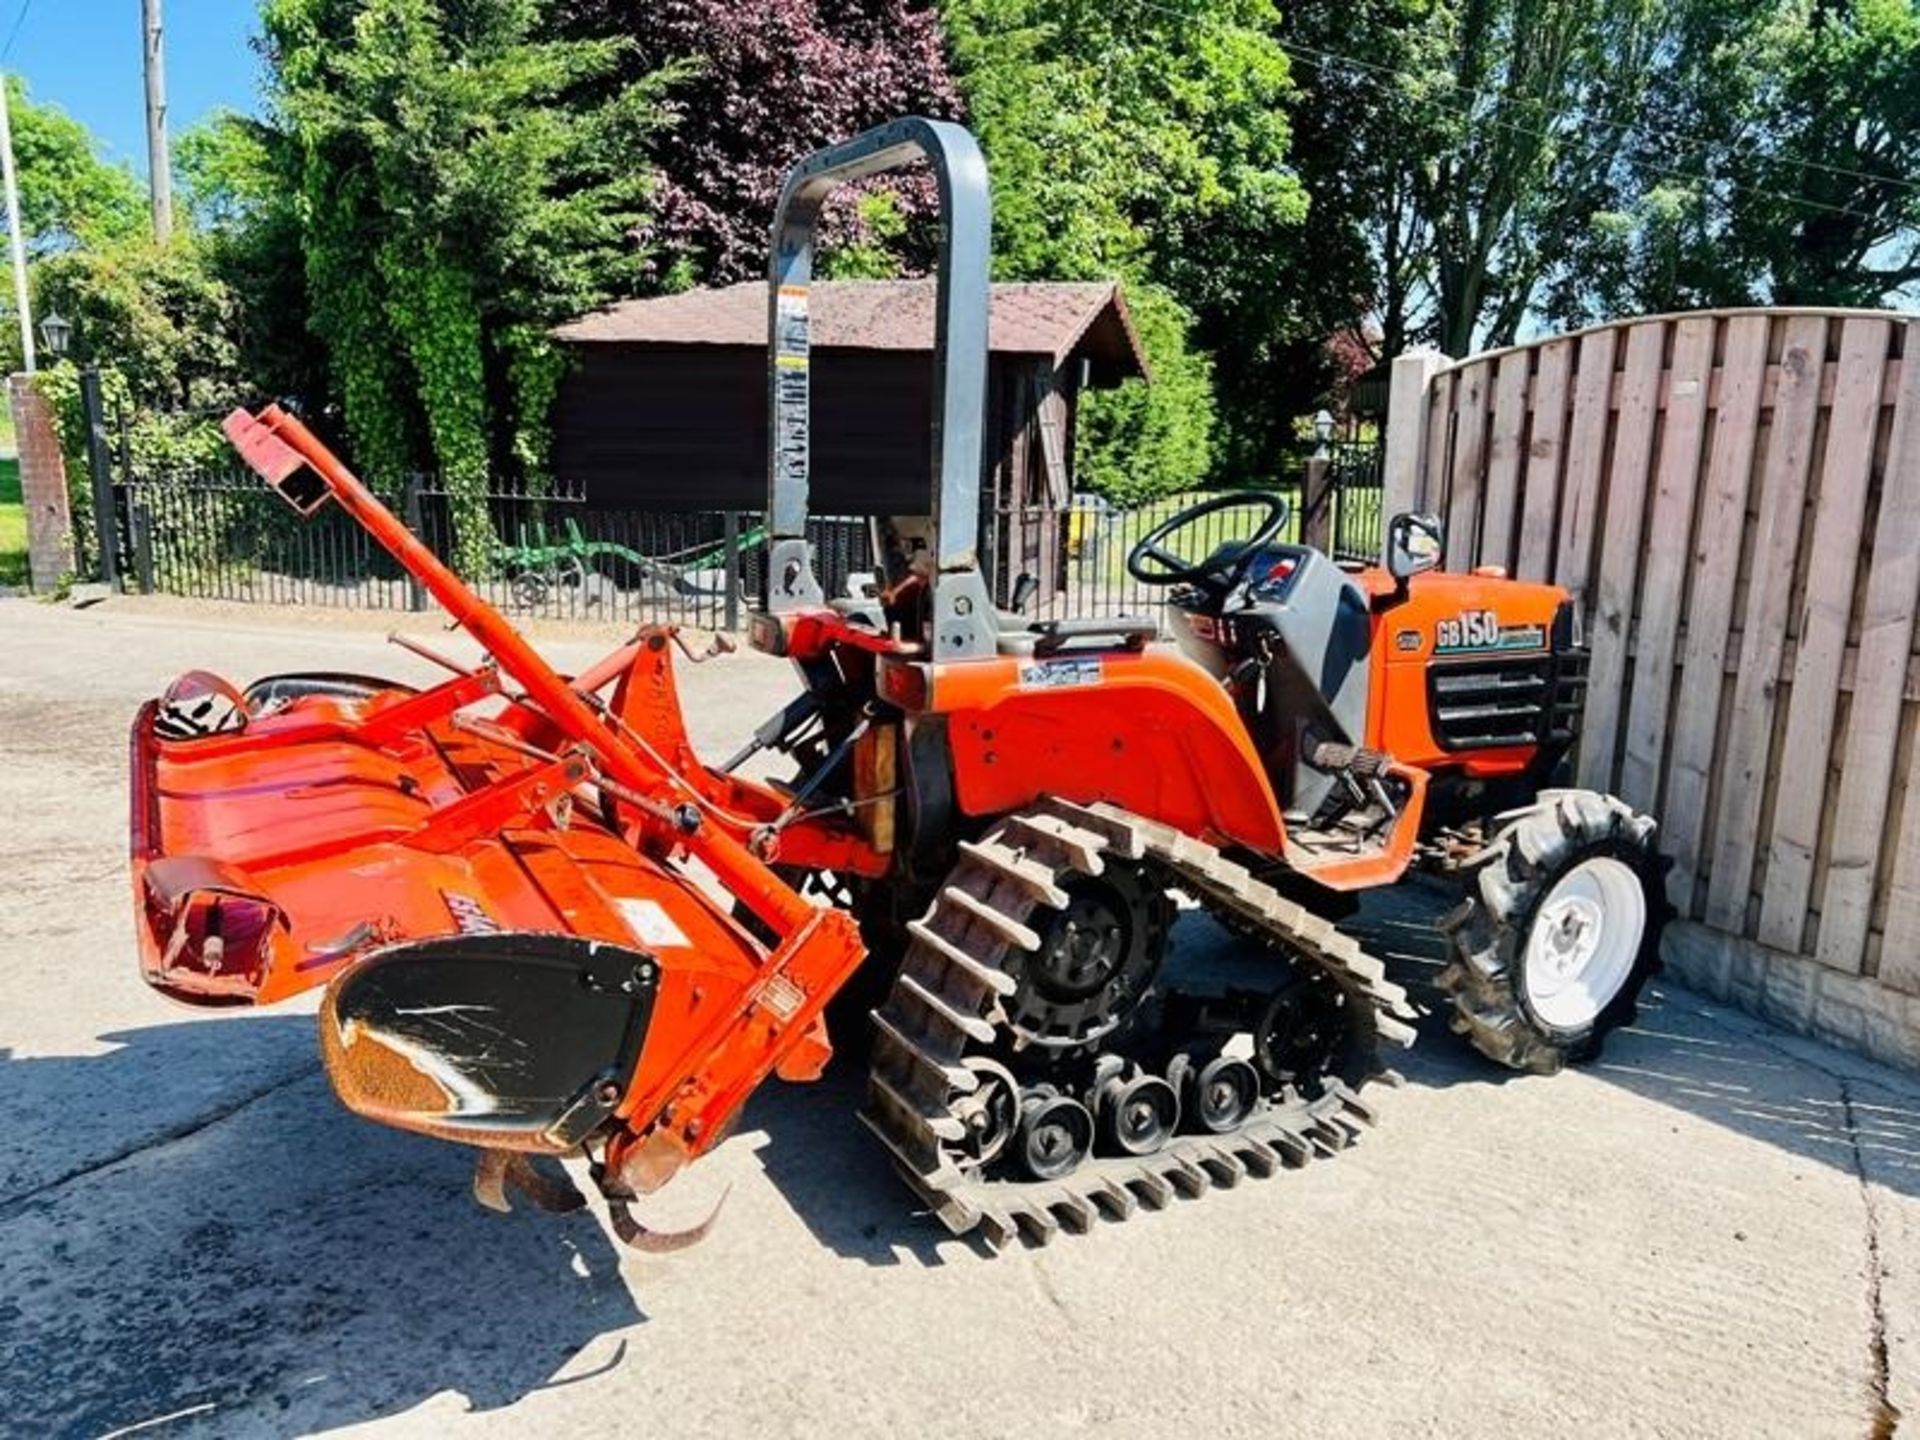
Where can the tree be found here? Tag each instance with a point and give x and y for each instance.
(69, 195)
(462, 186)
(1148, 143)
(1775, 163)
(1458, 150)
(1490, 164)
(1363, 130)
(761, 84)
(241, 209)
(151, 311)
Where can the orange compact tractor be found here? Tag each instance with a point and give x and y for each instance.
(974, 858)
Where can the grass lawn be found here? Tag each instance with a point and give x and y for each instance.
(13, 526)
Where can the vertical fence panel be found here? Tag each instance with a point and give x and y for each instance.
(1840, 513)
(1467, 475)
(1747, 742)
(1879, 686)
(1507, 439)
(1664, 568)
(1754, 676)
(1716, 567)
(1546, 452)
(1406, 453)
(1586, 458)
(1620, 550)
(1439, 446)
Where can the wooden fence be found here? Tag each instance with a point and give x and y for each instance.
(1735, 498)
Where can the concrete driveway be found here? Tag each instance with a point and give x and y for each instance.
(1714, 1232)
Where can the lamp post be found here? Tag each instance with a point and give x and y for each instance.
(1323, 431)
(56, 334)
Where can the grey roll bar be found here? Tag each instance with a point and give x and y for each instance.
(963, 618)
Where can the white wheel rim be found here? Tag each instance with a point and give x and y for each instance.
(1584, 942)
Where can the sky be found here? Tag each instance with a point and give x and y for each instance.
(84, 56)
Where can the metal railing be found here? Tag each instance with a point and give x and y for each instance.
(227, 537)
(1078, 553)
(1358, 496)
(224, 536)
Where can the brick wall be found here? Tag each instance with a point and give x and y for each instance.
(43, 486)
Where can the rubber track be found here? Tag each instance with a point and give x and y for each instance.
(948, 995)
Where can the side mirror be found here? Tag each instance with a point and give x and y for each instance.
(1413, 545)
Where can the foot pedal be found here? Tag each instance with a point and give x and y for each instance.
(1329, 755)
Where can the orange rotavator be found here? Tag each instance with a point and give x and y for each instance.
(492, 878)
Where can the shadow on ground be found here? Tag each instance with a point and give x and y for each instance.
(1682, 1053)
(255, 1256)
(287, 1266)
(1687, 1053)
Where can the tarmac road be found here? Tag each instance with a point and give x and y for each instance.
(1716, 1231)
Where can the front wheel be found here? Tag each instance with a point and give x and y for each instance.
(1560, 930)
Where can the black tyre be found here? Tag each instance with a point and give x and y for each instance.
(1559, 932)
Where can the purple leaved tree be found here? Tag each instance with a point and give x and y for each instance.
(769, 81)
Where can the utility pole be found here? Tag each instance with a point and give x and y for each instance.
(17, 239)
(159, 161)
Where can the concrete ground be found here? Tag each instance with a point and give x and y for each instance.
(1716, 1231)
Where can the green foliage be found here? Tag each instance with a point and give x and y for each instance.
(874, 255)
(1151, 144)
(155, 323)
(69, 195)
(13, 526)
(430, 298)
(153, 313)
(1136, 442)
(224, 171)
(464, 184)
(1482, 166)
(239, 187)
(1775, 164)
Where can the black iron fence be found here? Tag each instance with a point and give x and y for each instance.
(1077, 554)
(225, 536)
(1357, 495)
(228, 537)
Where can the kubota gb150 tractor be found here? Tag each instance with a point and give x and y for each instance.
(976, 854)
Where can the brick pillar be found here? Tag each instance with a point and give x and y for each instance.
(43, 486)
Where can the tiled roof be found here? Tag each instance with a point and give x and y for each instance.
(1057, 320)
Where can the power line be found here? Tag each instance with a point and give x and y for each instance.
(26, 7)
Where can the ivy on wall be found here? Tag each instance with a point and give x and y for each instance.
(467, 184)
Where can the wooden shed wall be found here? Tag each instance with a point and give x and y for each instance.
(657, 427)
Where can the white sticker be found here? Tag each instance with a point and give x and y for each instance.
(1059, 674)
(469, 914)
(652, 925)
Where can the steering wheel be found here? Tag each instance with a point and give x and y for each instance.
(1153, 562)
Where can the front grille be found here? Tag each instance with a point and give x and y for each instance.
(1486, 702)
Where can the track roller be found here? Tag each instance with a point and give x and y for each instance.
(1056, 1134)
(1138, 1116)
(1219, 1095)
